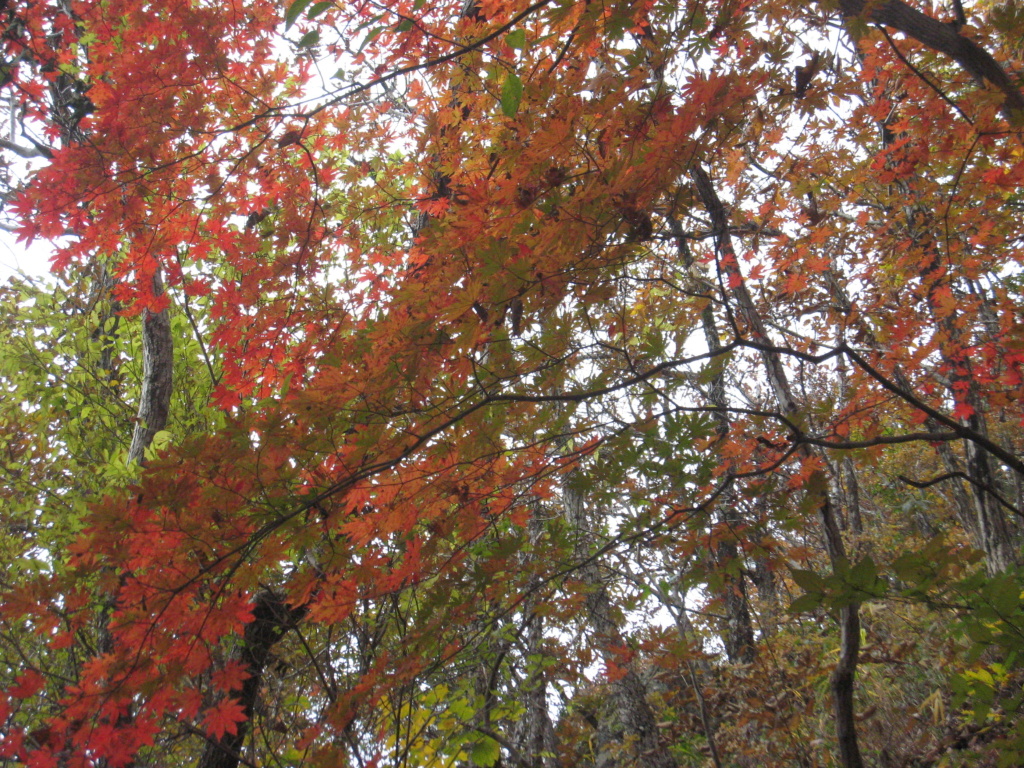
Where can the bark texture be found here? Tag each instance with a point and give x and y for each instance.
(157, 376)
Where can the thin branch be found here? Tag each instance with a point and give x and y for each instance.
(849, 445)
(962, 476)
(927, 81)
(1011, 461)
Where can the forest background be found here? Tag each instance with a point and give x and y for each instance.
(566, 383)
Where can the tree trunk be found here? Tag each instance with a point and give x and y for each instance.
(629, 691)
(738, 635)
(817, 485)
(271, 619)
(157, 377)
(536, 731)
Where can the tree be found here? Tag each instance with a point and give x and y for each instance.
(370, 413)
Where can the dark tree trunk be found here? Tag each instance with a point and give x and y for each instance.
(271, 619)
(816, 486)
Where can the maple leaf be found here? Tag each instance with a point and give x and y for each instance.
(465, 395)
(231, 676)
(224, 717)
(945, 303)
(963, 411)
(27, 684)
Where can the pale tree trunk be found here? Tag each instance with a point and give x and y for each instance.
(536, 732)
(993, 532)
(70, 103)
(962, 501)
(629, 691)
(992, 529)
(847, 484)
(738, 636)
(154, 407)
(157, 377)
(978, 507)
(537, 742)
(997, 532)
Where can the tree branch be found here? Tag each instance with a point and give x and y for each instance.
(945, 39)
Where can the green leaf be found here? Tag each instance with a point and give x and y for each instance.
(857, 26)
(864, 578)
(294, 11)
(317, 9)
(516, 39)
(981, 712)
(485, 752)
(808, 581)
(1003, 592)
(372, 35)
(806, 603)
(310, 38)
(864, 572)
(511, 95)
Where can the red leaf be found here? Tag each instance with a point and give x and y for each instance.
(231, 676)
(963, 411)
(224, 718)
(28, 684)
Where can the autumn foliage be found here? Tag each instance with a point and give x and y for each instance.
(566, 383)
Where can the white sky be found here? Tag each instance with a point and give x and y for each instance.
(18, 258)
